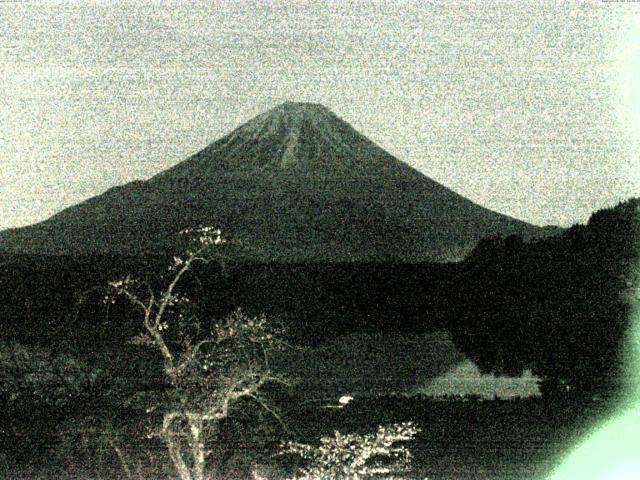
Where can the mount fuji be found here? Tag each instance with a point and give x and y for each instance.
(294, 184)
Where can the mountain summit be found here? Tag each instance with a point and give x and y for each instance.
(295, 136)
(296, 183)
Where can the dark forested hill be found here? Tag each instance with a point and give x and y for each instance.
(559, 306)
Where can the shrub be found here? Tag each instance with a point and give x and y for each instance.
(355, 456)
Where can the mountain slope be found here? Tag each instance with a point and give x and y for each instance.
(293, 184)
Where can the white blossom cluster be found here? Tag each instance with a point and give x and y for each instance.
(172, 299)
(238, 324)
(355, 456)
(119, 287)
(205, 235)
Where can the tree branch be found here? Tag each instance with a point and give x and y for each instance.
(121, 458)
(271, 411)
(132, 298)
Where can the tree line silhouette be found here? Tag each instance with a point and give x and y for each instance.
(558, 306)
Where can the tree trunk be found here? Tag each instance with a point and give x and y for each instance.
(197, 446)
(174, 448)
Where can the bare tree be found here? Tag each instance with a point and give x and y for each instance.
(207, 369)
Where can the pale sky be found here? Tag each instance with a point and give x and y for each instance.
(529, 108)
